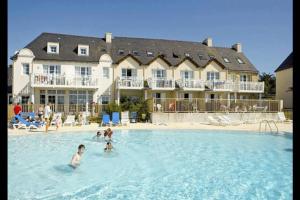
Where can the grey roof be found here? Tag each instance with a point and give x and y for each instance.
(159, 47)
(68, 45)
(9, 79)
(286, 64)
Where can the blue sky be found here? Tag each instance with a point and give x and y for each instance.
(264, 27)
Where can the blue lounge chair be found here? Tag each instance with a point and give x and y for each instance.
(115, 118)
(105, 120)
(133, 117)
(25, 124)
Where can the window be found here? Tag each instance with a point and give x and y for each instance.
(121, 52)
(187, 54)
(186, 95)
(83, 71)
(159, 73)
(213, 76)
(104, 99)
(80, 97)
(129, 73)
(226, 60)
(24, 99)
(53, 48)
(187, 74)
(136, 53)
(25, 68)
(42, 99)
(240, 61)
(245, 77)
(105, 72)
(157, 95)
(10, 99)
(201, 57)
(83, 50)
(51, 69)
(149, 53)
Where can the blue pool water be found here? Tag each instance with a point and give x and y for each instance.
(152, 165)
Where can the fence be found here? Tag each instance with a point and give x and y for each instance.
(93, 109)
(215, 105)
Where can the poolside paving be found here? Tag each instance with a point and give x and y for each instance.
(283, 127)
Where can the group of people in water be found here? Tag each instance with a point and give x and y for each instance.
(106, 134)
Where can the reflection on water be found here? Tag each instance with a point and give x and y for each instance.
(65, 169)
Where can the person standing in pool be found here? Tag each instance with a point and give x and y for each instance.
(98, 135)
(75, 162)
(110, 132)
(108, 147)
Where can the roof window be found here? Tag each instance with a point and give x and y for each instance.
(187, 55)
(149, 53)
(211, 56)
(240, 61)
(175, 55)
(136, 53)
(53, 48)
(201, 57)
(121, 52)
(226, 60)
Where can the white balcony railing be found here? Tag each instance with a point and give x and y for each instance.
(217, 85)
(50, 80)
(191, 84)
(161, 84)
(130, 83)
(250, 87)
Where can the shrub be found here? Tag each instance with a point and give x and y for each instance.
(113, 107)
(94, 119)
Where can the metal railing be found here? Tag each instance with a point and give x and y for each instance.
(66, 109)
(129, 83)
(192, 84)
(214, 105)
(250, 86)
(220, 85)
(63, 80)
(161, 83)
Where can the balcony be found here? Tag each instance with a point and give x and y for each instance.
(250, 87)
(161, 84)
(130, 83)
(191, 85)
(63, 81)
(217, 85)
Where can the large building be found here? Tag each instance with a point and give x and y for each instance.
(69, 70)
(284, 82)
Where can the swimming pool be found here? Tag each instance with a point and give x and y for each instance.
(152, 165)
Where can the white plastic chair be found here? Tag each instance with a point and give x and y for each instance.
(125, 118)
(70, 120)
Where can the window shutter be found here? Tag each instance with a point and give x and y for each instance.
(77, 71)
(164, 73)
(153, 73)
(208, 76)
(217, 75)
(89, 71)
(182, 74)
(191, 75)
(45, 69)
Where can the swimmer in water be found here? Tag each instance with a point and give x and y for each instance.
(98, 135)
(108, 147)
(77, 156)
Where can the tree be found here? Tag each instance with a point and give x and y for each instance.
(270, 83)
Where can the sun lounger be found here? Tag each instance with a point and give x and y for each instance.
(115, 118)
(231, 121)
(53, 121)
(133, 117)
(281, 117)
(105, 120)
(214, 121)
(125, 118)
(70, 120)
(25, 124)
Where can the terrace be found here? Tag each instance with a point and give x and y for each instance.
(129, 83)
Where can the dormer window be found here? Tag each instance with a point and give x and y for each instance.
(149, 54)
(83, 50)
(226, 60)
(53, 48)
(240, 61)
(121, 52)
(187, 55)
(136, 53)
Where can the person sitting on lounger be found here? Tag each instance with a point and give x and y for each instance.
(75, 162)
(108, 147)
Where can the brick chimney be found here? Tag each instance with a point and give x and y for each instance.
(108, 37)
(208, 42)
(237, 47)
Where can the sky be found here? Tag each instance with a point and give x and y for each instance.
(263, 27)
